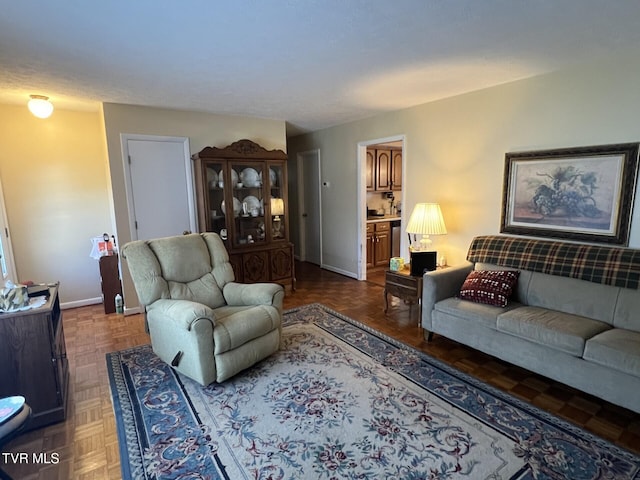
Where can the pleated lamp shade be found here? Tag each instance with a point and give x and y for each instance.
(426, 219)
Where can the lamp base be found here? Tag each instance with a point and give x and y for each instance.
(423, 262)
(277, 224)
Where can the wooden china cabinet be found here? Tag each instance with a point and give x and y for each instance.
(241, 192)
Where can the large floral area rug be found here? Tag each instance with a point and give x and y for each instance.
(341, 401)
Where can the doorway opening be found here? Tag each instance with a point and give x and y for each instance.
(310, 206)
(381, 197)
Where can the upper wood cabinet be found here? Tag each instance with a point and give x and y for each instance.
(384, 169)
(241, 192)
(371, 168)
(396, 169)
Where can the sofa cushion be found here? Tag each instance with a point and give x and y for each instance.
(493, 287)
(627, 308)
(570, 295)
(558, 330)
(476, 312)
(616, 348)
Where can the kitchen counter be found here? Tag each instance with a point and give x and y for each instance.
(385, 218)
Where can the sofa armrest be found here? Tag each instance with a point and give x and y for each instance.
(180, 313)
(254, 294)
(440, 284)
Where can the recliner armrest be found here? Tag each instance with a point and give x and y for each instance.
(181, 313)
(253, 294)
(440, 284)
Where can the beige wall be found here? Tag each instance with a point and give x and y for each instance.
(63, 182)
(455, 150)
(201, 129)
(59, 174)
(55, 187)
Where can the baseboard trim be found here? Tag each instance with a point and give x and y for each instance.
(80, 303)
(339, 270)
(94, 301)
(132, 311)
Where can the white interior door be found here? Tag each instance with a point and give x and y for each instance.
(310, 211)
(7, 264)
(160, 186)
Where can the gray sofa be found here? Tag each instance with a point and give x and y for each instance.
(574, 315)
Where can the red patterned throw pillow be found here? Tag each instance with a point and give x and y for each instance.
(493, 287)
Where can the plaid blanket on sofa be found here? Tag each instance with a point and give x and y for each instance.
(600, 264)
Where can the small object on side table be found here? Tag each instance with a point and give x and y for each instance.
(422, 262)
(396, 264)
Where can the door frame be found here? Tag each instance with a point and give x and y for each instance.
(362, 195)
(10, 261)
(300, 165)
(184, 141)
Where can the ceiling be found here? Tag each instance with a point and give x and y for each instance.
(311, 63)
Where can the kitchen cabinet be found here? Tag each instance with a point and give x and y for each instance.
(34, 361)
(384, 170)
(242, 195)
(370, 169)
(396, 170)
(378, 244)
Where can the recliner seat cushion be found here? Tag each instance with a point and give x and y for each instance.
(616, 348)
(240, 327)
(558, 330)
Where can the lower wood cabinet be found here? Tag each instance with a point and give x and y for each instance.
(378, 244)
(272, 264)
(33, 360)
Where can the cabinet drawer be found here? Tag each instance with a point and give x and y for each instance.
(383, 226)
(370, 228)
(404, 283)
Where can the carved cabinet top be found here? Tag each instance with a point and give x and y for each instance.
(241, 149)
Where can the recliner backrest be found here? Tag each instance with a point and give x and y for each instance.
(189, 267)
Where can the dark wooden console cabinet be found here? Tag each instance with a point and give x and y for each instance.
(33, 360)
(110, 281)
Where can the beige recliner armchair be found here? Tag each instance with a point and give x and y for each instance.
(202, 322)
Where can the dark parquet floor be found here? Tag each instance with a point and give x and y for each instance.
(86, 443)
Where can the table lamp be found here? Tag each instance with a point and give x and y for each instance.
(426, 219)
(277, 209)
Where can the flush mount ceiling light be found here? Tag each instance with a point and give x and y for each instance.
(40, 106)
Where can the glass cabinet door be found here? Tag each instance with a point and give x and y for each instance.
(248, 200)
(215, 199)
(278, 207)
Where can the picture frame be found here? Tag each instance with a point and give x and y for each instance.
(579, 193)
